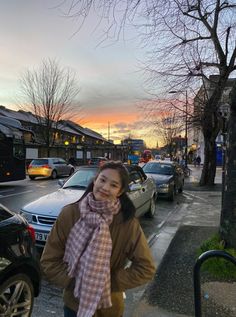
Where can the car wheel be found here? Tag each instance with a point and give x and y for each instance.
(152, 208)
(32, 177)
(54, 174)
(16, 296)
(71, 171)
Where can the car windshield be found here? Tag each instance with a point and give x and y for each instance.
(95, 160)
(158, 168)
(81, 178)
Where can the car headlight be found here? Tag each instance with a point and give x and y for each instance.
(163, 186)
(26, 215)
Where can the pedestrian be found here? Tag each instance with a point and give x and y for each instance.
(89, 246)
(198, 160)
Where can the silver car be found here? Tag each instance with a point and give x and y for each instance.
(42, 213)
(49, 167)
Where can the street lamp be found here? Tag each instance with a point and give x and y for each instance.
(186, 123)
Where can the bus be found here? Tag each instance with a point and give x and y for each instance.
(12, 149)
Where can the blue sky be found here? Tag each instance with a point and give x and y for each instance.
(108, 74)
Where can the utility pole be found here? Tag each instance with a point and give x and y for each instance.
(186, 129)
(108, 132)
(108, 138)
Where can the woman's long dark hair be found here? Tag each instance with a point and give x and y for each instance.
(127, 207)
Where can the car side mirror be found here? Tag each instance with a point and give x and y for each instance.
(134, 187)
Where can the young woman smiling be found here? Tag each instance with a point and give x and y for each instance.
(90, 243)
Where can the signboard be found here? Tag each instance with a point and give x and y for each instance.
(133, 159)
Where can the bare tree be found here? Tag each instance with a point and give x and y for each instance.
(164, 121)
(50, 94)
(201, 42)
(186, 42)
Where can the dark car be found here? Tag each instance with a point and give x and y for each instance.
(168, 176)
(20, 277)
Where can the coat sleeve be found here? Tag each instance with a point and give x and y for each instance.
(53, 267)
(142, 267)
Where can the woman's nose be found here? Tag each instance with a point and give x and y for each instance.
(106, 186)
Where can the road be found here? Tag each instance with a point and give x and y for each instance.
(15, 194)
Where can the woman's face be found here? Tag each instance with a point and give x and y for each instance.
(107, 186)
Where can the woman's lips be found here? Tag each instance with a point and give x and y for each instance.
(103, 194)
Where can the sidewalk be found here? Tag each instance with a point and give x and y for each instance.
(171, 292)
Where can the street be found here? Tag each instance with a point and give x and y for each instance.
(169, 216)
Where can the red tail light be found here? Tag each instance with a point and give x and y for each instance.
(30, 166)
(31, 232)
(46, 166)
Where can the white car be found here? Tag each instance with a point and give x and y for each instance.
(42, 213)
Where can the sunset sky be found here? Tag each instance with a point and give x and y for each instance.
(108, 74)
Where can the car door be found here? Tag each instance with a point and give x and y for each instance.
(139, 196)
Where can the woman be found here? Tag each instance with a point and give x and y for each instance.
(88, 247)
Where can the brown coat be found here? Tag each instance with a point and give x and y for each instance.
(128, 243)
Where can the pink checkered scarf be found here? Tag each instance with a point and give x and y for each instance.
(87, 253)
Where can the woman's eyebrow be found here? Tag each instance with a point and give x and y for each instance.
(112, 181)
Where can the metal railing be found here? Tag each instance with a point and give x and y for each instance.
(196, 275)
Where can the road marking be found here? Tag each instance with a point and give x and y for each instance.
(198, 197)
(153, 238)
(28, 191)
(7, 190)
(161, 224)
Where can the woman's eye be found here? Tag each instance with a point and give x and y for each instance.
(114, 185)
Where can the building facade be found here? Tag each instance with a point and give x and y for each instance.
(69, 140)
(197, 138)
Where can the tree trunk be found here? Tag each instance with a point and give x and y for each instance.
(209, 166)
(228, 212)
(48, 151)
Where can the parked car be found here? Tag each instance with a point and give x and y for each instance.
(49, 167)
(20, 277)
(169, 177)
(97, 160)
(42, 213)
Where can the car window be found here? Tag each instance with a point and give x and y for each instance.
(158, 168)
(39, 162)
(61, 161)
(55, 161)
(135, 177)
(81, 178)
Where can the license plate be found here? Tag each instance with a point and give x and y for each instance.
(40, 236)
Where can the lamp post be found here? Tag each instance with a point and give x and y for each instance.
(67, 143)
(186, 124)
